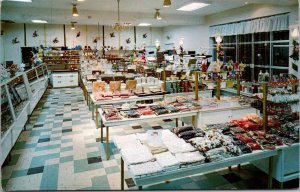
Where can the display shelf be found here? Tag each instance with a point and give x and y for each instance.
(230, 90)
(67, 57)
(193, 169)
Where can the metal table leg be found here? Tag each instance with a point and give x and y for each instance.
(281, 185)
(87, 98)
(122, 174)
(102, 132)
(194, 121)
(270, 176)
(176, 122)
(97, 114)
(107, 144)
(93, 106)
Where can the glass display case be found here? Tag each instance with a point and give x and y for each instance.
(32, 78)
(6, 112)
(18, 94)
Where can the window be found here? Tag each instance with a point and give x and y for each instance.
(262, 54)
(267, 51)
(281, 54)
(280, 35)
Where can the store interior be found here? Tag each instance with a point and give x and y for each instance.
(149, 95)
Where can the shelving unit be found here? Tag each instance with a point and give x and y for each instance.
(89, 54)
(69, 59)
(19, 97)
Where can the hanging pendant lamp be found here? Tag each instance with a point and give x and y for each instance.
(157, 15)
(167, 3)
(75, 11)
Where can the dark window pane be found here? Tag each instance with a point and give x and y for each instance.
(229, 39)
(246, 75)
(245, 52)
(245, 38)
(229, 53)
(281, 35)
(262, 54)
(262, 36)
(279, 71)
(280, 55)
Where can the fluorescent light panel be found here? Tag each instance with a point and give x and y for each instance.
(26, 1)
(144, 24)
(39, 21)
(192, 6)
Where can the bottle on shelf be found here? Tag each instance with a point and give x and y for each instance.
(266, 76)
(260, 76)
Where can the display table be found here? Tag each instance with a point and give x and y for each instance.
(192, 169)
(97, 104)
(142, 119)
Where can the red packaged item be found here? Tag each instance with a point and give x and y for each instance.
(244, 138)
(254, 146)
(145, 111)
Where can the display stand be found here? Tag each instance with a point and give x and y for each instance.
(218, 92)
(286, 163)
(264, 101)
(196, 85)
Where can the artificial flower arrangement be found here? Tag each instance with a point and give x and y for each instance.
(13, 69)
(220, 51)
(295, 53)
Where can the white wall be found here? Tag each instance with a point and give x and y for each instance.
(48, 32)
(249, 12)
(195, 37)
(12, 52)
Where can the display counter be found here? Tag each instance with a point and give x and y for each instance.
(19, 97)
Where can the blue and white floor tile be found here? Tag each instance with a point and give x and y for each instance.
(61, 150)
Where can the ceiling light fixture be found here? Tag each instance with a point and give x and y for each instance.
(167, 3)
(80, 0)
(75, 11)
(38, 21)
(157, 15)
(118, 26)
(73, 25)
(144, 24)
(25, 1)
(193, 6)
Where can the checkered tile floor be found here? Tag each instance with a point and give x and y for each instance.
(61, 150)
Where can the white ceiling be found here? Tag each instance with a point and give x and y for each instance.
(104, 12)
